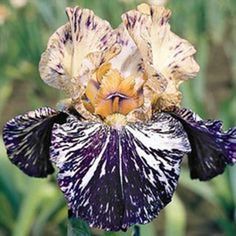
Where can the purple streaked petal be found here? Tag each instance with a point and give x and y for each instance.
(27, 140)
(212, 148)
(167, 58)
(75, 50)
(116, 178)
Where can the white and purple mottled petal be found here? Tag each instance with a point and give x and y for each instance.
(129, 61)
(55, 63)
(66, 64)
(212, 148)
(167, 58)
(116, 178)
(27, 140)
(169, 54)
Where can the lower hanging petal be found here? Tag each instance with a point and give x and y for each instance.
(212, 148)
(27, 140)
(116, 178)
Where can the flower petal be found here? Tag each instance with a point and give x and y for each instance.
(212, 148)
(168, 59)
(128, 62)
(55, 64)
(66, 60)
(90, 35)
(116, 178)
(27, 140)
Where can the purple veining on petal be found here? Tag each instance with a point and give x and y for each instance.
(27, 140)
(212, 148)
(116, 178)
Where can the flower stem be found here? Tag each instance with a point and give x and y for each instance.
(136, 231)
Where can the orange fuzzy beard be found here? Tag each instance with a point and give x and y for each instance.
(109, 93)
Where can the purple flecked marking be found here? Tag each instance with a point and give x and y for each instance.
(106, 178)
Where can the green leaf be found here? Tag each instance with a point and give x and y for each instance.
(37, 191)
(49, 207)
(5, 93)
(228, 227)
(78, 227)
(199, 84)
(148, 229)
(6, 212)
(175, 218)
(203, 189)
(216, 20)
(119, 233)
(232, 173)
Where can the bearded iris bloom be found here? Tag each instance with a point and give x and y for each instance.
(119, 139)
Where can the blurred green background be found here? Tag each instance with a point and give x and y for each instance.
(36, 207)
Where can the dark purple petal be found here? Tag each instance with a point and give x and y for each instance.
(116, 178)
(212, 148)
(27, 140)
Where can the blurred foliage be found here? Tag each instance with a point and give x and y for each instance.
(36, 207)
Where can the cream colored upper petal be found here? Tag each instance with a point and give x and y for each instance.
(55, 64)
(169, 55)
(90, 35)
(129, 61)
(67, 61)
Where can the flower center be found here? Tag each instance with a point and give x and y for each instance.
(109, 93)
(117, 121)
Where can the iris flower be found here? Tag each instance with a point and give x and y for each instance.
(119, 139)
